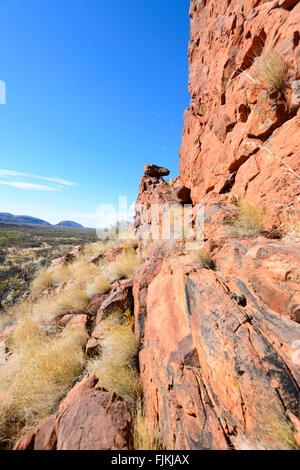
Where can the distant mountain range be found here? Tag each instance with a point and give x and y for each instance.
(7, 218)
(69, 223)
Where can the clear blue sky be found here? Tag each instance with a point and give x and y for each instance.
(94, 90)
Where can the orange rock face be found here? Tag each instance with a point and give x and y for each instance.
(240, 136)
(217, 357)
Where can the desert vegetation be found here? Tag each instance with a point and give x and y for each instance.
(24, 250)
(145, 438)
(123, 267)
(116, 367)
(272, 70)
(248, 220)
(40, 372)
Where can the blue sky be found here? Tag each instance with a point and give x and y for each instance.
(94, 90)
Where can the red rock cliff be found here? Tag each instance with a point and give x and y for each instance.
(240, 135)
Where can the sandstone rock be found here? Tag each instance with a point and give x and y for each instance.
(268, 114)
(218, 373)
(57, 289)
(229, 108)
(95, 259)
(77, 249)
(113, 253)
(95, 303)
(118, 301)
(77, 321)
(156, 171)
(92, 347)
(68, 258)
(88, 419)
(156, 194)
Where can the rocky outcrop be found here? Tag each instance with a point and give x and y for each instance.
(155, 192)
(240, 136)
(88, 419)
(217, 355)
(118, 301)
(68, 258)
(154, 170)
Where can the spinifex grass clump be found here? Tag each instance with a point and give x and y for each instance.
(123, 267)
(41, 372)
(116, 366)
(272, 71)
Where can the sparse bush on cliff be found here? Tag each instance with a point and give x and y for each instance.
(272, 70)
(248, 220)
(123, 267)
(41, 372)
(116, 366)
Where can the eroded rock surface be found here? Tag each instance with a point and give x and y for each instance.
(237, 133)
(217, 362)
(88, 419)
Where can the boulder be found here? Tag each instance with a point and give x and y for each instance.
(56, 263)
(156, 171)
(92, 347)
(118, 301)
(88, 419)
(95, 303)
(114, 252)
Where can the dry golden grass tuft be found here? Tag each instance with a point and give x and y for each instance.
(42, 282)
(83, 272)
(98, 286)
(46, 279)
(116, 367)
(205, 259)
(272, 70)
(248, 220)
(123, 267)
(69, 300)
(143, 437)
(43, 370)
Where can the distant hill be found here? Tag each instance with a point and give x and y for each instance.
(69, 224)
(5, 217)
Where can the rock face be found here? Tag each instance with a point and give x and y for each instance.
(217, 359)
(240, 136)
(88, 419)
